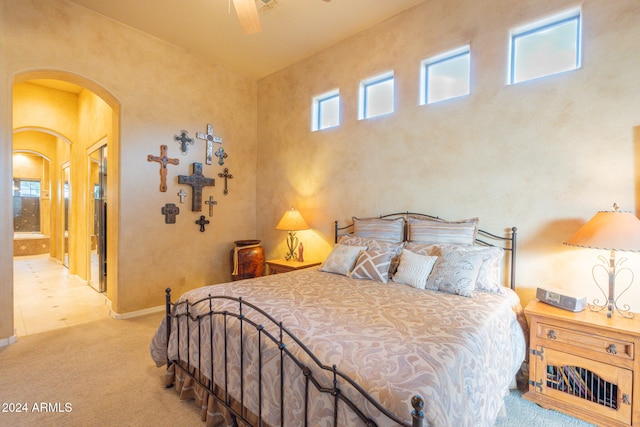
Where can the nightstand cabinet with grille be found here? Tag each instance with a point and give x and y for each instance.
(584, 364)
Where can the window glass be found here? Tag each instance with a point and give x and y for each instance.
(550, 47)
(326, 111)
(446, 76)
(376, 96)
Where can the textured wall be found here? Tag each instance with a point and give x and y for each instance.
(544, 155)
(158, 90)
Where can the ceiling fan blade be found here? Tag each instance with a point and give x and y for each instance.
(248, 16)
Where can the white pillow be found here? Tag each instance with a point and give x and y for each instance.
(342, 259)
(414, 269)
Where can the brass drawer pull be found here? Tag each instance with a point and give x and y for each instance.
(551, 334)
(612, 349)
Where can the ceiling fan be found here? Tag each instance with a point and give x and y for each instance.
(248, 14)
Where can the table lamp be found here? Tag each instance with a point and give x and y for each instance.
(292, 221)
(613, 231)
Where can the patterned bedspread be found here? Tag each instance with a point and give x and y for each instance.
(460, 354)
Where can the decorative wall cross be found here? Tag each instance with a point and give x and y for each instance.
(197, 181)
(170, 211)
(226, 175)
(211, 202)
(164, 161)
(182, 194)
(201, 222)
(221, 155)
(210, 138)
(184, 141)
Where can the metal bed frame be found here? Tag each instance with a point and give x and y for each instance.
(275, 333)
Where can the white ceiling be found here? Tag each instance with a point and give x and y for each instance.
(291, 29)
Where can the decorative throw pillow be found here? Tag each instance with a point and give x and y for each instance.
(489, 274)
(341, 259)
(414, 269)
(426, 230)
(372, 244)
(391, 230)
(372, 265)
(455, 272)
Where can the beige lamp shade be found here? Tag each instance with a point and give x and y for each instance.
(292, 221)
(610, 230)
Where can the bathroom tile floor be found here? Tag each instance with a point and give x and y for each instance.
(47, 297)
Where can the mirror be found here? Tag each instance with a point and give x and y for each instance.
(66, 194)
(97, 210)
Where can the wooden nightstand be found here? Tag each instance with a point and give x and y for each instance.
(277, 266)
(585, 364)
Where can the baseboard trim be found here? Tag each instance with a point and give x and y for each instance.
(137, 313)
(4, 342)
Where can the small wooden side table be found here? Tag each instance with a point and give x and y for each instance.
(585, 364)
(277, 266)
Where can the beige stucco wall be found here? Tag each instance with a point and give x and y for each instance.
(157, 90)
(543, 155)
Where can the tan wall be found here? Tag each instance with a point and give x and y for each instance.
(157, 90)
(543, 155)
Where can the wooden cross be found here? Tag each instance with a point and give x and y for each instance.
(182, 194)
(210, 138)
(201, 222)
(170, 211)
(226, 175)
(197, 181)
(221, 155)
(164, 161)
(184, 141)
(211, 202)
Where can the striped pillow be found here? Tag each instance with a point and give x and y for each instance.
(425, 230)
(391, 230)
(372, 265)
(414, 269)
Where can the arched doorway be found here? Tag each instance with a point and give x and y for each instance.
(84, 120)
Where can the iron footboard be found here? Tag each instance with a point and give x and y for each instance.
(183, 318)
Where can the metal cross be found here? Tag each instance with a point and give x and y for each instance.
(201, 222)
(170, 211)
(197, 181)
(182, 195)
(164, 161)
(210, 138)
(184, 141)
(221, 155)
(226, 175)
(211, 202)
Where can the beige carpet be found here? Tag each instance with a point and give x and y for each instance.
(101, 371)
(101, 374)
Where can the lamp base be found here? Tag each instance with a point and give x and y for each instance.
(611, 303)
(292, 244)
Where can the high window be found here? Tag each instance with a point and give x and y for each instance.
(545, 47)
(376, 96)
(445, 76)
(325, 111)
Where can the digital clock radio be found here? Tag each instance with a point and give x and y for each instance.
(562, 299)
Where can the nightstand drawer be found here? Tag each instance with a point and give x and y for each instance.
(605, 345)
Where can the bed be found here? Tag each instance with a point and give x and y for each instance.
(408, 322)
